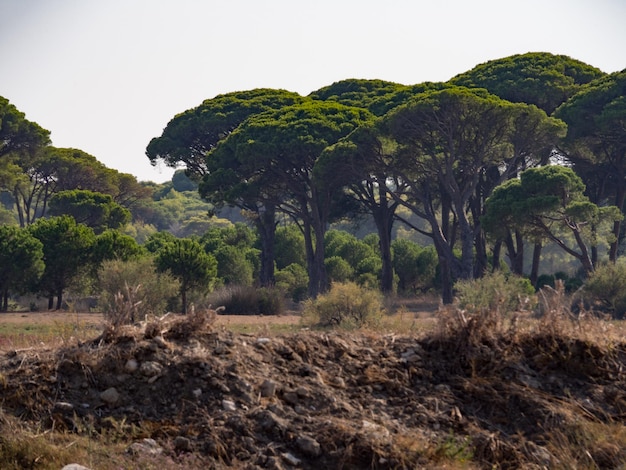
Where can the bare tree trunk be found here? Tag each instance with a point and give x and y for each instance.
(534, 270)
(266, 227)
(59, 299)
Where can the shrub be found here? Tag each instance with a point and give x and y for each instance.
(497, 291)
(607, 286)
(232, 266)
(246, 300)
(338, 269)
(293, 280)
(346, 305)
(150, 291)
(414, 266)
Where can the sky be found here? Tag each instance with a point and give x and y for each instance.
(106, 76)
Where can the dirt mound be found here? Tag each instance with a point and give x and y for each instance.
(329, 400)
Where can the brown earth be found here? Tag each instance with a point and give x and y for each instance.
(471, 397)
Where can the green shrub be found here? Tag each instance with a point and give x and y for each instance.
(293, 281)
(247, 300)
(150, 291)
(346, 305)
(495, 291)
(338, 269)
(233, 267)
(606, 286)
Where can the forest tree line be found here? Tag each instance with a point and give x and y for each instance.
(511, 156)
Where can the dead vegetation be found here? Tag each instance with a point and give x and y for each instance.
(484, 390)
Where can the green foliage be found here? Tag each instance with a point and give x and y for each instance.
(190, 135)
(542, 79)
(247, 300)
(96, 210)
(289, 246)
(338, 269)
(112, 244)
(415, 266)
(67, 249)
(21, 261)
(181, 182)
(293, 280)
(158, 240)
(233, 247)
(17, 134)
(346, 305)
(233, 267)
(237, 235)
(495, 292)
(607, 287)
(358, 92)
(186, 260)
(548, 202)
(350, 259)
(153, 291)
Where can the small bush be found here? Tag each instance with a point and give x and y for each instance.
(338, 269)
(497, 291)
(606, 286)
(134, 288)
(246, 300)
(346, 305)
(293, 280)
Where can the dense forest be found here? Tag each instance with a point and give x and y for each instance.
(517, 165)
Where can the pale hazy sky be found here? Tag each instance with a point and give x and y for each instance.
(106, 76)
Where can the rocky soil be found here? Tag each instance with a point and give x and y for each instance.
(188, 392)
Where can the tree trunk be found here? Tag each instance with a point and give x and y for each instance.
(481, 262)
(495, 258)
(266, 227)
(183, 298)
(383, 218)
(446, 281)
(59, 299)
(515, 252)
(619, 202)
(50, 302)
(386, 279)
(534, 270)
(319, 279)
(5, 300)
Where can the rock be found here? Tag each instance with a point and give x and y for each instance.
(110, 396)
(146, 447)
(268, 421)
(63, 407)
(309, 446)
(182, 444)
(160, 342)
(75, 466)
(338, 382)
(290, 459)
(291, 397)
(131, 366)
(229, 405)
(268, 388)
(151, 368)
